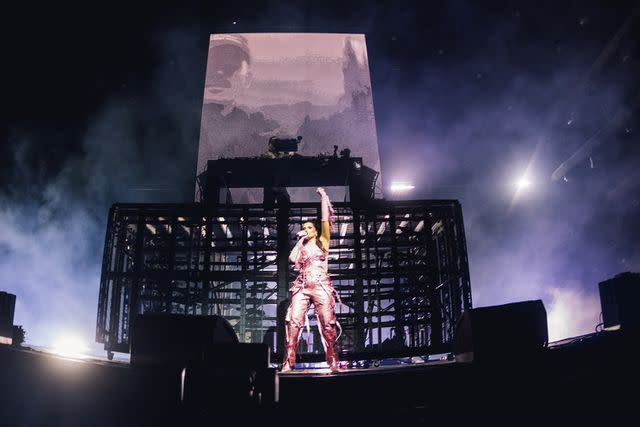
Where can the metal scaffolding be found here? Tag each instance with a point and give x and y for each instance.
(400, 268)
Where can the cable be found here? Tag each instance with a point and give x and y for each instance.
(601, 324)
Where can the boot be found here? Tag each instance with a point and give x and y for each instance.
(332, 352)
(289, 361)
(332, 358)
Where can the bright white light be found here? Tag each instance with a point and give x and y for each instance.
(397, 187)
(523, 183)
(343, 229)
(70, 346)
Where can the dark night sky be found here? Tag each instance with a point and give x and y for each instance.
(105, 101)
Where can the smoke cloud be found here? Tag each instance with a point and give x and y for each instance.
(139, 147)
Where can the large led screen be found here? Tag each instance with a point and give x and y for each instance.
(286, 85)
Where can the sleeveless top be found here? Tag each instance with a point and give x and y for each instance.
(313, 264)
(311, 257)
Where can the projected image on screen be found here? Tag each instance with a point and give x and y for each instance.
(286, 85)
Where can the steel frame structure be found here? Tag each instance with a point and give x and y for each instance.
(400, 268)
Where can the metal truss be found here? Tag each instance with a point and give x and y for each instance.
(400, 268)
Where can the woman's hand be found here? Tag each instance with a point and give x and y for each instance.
(321, 192)
(301, 234)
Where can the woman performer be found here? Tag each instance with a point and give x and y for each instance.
(312, 286)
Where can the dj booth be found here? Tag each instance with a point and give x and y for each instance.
(272, 174)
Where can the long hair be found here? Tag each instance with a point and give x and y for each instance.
(315, 225)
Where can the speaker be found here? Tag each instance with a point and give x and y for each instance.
(619, 297)
(502, 332)
(7, 310)
(231, 378)
(171, 339)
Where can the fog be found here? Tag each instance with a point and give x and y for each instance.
(461, 117)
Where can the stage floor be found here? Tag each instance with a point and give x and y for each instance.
(580, 379)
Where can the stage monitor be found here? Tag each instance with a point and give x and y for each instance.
(501, 333)
(7, 310)
(619, 297)
(169, 339)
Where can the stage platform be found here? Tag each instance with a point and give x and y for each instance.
(591, 378)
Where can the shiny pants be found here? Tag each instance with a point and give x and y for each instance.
(317, 292)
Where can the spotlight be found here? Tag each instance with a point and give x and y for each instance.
(523, 183)
(70, 346)
(398, 187)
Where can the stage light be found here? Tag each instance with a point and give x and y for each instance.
(70, 345)
(397, 187)
(343, 231)
(520, 186)
(523, 183)
(364, 364)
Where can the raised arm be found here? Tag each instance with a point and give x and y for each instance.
(326, 212)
